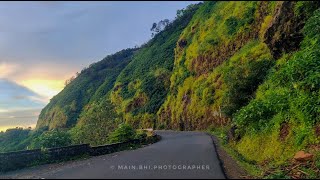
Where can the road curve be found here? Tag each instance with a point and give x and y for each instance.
(179, 155)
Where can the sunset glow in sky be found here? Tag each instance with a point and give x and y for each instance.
(44, 43)
(45, 87)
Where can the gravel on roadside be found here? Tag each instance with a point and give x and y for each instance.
(230, 166)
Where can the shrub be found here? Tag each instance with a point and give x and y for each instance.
(161, 126)
(140, 134)
(95, 124)
(51, 139)
(248, 17)
(243, 73)
(122, 134)
(232, 24)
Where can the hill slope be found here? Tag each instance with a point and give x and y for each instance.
(91, 84)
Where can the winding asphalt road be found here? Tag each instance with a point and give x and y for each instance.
(179, 155)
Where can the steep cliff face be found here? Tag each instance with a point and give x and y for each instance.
(247, 65)
(220, 60)
(224, 54)
(284, 115)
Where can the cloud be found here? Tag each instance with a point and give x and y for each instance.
(46, 79)
(3, 110)
(19, 106)
(7, 69)
(19, 118)
(15, 96)
(47, 88)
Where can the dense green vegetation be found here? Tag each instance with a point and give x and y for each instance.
(247, 71)
(24, 139)
(216, 73)
(18, 139)
(122, 134)
(51, 139)
(289, 98)
(227, 74)
(283, 116)
(12, 139)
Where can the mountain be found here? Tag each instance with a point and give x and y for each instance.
(247, 70)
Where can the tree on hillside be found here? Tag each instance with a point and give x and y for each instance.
(158, 27)
(190, 7)
(94, 126)
(68, 81)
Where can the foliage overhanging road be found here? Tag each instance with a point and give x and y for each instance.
(178, 155)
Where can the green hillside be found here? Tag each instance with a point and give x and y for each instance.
(142, 86)
(91, 84)
(220, 60)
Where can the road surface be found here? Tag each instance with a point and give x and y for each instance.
(179, 155)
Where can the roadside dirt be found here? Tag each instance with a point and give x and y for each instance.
(230, 167)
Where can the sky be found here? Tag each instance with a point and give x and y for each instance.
(44, 43)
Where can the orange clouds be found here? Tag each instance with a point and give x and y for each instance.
(47, 80)
(7, 69)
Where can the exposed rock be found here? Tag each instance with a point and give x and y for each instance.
(136, 103)
(303, 156)
(284, 33)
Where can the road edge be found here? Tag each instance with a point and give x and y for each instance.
(229, 166)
